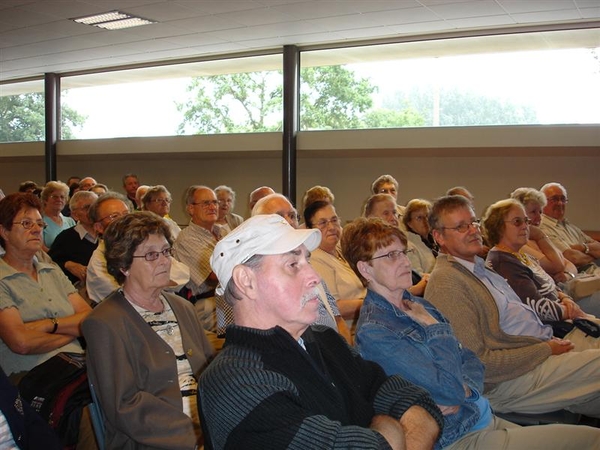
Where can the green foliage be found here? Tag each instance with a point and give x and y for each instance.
(389, 118)
(22, 118)
(331, 98)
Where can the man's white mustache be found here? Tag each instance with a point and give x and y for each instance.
(310, 295)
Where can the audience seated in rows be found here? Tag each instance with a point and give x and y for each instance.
(407, 336)
(73, 247)
(506, 227)
(280, 383)
(527, 370)
(99, 282)
(576, 246)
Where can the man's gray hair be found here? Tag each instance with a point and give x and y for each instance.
(551, 185)
(232, 293)
(189, 194)
(111, 195)
(79, 196)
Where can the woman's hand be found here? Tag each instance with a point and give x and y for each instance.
(419, 288)
(535, 234)
(418, 312)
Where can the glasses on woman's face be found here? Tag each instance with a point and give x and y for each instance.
(153, 256)
(58, 197)
(322, 224)
(162, 201)
(28, 223)
(391, 191)
(394, 254)
(519, 221)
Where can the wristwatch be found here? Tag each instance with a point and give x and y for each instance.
(54, 321)
(586, 249)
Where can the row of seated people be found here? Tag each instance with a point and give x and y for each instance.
(205, 204)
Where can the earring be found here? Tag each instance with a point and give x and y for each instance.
(125, 272)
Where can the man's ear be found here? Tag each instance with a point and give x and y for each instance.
(438, 236)
(98, 227)
(245, 280)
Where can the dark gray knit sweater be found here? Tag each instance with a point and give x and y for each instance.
(264, 391)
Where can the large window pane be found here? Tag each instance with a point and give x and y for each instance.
(538, 78)
(22, 112)
(223, 96)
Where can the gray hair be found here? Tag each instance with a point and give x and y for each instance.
(527, 195)
(52, 186)
(551, 185)
(261, 205)
(189, 194)
(79, 196)
(93, 212)
(152, 191)
(382, 180)
(232, 293)
(225, 189)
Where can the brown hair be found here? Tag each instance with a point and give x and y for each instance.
(362, 237)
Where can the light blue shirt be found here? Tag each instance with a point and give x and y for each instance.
(516, 318)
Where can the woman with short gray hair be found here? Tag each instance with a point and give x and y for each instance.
(55, 196)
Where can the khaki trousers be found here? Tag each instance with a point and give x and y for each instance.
(503, 435)
(569, 381)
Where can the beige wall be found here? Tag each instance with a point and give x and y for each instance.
(491, 162)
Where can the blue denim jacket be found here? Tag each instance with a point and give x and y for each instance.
(429, 356)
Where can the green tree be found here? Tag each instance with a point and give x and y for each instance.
(390, 118)
(22, 118)
(331, 98)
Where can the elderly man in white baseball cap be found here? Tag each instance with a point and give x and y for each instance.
(280, 382)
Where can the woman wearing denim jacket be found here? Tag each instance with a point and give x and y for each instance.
(407, 335)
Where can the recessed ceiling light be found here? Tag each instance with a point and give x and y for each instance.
(113, 20)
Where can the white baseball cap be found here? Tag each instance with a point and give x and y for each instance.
(260, 235)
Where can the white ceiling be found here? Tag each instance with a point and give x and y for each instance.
(36, 36)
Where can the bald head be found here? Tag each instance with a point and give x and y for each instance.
(277, 204)
(257, 194)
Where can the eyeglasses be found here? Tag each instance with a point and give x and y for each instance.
(153, 256)
(227, 201)
(207, 203)
(114, 216)
(464, 227)
(420, 218)
(322, 224)
(84, 207)
(164, 201)
(28, 223)
(292, 215)
(394, 254)
(387, 191)
(519, 221)
(558, 198)
(58, 197)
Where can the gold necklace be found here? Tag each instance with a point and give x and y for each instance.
(523, 257)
